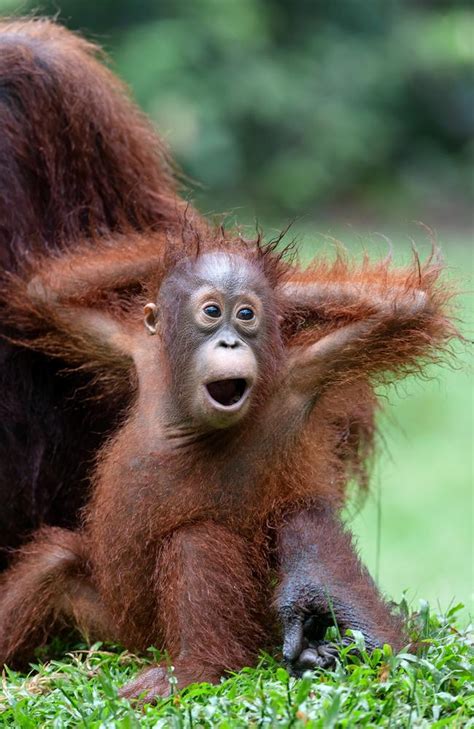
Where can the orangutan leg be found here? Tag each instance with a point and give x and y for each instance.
(211, 597)
(48, 586)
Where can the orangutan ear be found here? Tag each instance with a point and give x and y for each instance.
(151, 318)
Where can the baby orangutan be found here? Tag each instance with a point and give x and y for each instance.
(231, 466)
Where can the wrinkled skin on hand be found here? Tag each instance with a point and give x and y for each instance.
(304, 626)
(304, 647)
(324, 583)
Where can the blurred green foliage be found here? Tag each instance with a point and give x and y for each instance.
(300, 106)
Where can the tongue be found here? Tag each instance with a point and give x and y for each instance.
(226, 392)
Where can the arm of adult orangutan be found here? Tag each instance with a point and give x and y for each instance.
(323, 582)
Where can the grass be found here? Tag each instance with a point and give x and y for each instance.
(415, 533)
(433, 689)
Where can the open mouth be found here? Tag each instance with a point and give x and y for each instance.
(227, 392)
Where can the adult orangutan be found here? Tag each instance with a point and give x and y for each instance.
(230, 467)
(77, 159)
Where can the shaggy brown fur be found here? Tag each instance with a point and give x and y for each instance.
(188, 524)
(77, 159)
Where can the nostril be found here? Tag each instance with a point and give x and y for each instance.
(228, 344)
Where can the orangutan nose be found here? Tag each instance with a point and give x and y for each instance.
(228, 342)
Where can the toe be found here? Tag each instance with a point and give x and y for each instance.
(148, 686)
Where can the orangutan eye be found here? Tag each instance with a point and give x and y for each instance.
(247, 314)
(212, 310)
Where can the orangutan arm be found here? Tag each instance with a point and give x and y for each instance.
(361, 347)
(75, 327)
(322, 582)
(96, 268)
(324, 296)
(71, 296)
(370, 329)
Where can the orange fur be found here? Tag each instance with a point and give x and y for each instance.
(187, 528)
(168, 517)
(78, 162)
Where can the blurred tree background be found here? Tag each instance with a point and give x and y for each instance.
(354, 111)
(356, 108)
